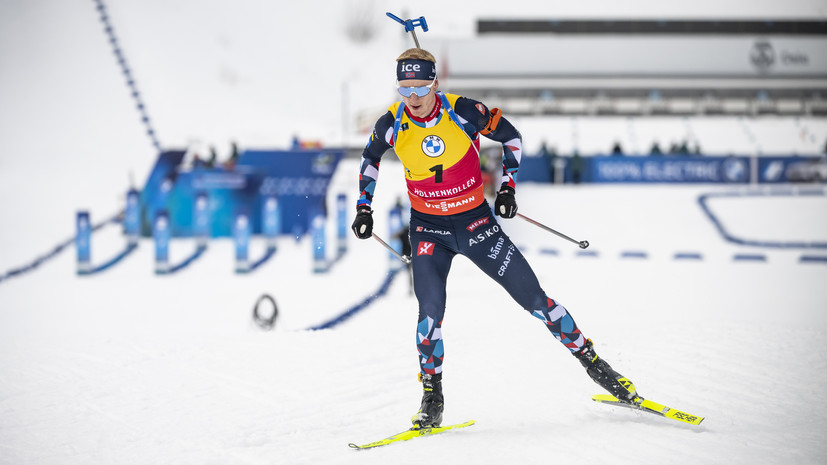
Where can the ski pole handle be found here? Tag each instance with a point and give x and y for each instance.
(405, 259)
(410, 25)
(581, 244)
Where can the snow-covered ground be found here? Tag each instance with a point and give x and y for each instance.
(132, 368)
(127, 367)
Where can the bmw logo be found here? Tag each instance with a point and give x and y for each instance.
(735, 170)
(762, 55)
(433, 146)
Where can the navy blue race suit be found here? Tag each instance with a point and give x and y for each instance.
(450, 216)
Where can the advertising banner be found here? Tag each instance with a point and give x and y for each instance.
(298, 179)
(318, 237)
(792, 169)
(271, 220)
(161, 235)
(156, 190)
(241, 237)
(667, 169)
(132, 217)
(83, 240)
(341, 224)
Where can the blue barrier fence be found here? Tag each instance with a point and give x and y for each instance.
(14, 272)
(127, 73)
(703, 201)
(341, 318)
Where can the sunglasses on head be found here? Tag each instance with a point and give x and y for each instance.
(420, 91)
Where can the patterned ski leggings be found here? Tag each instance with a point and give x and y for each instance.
(435, 240)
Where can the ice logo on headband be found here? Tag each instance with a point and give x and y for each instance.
(416, 69)
(410, 70)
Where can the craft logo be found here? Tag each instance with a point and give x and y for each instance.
(507, 260)
(433, 146)
(425, 248)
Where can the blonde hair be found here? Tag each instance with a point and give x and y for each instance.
(417, 54)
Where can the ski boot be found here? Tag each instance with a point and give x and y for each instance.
(603, 374)
(430, 412)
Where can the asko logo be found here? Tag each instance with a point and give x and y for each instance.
(425, 248)
(471, 227)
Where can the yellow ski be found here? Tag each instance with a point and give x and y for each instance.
(410, 434)
(647, 405)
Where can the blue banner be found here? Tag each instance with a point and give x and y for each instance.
(83, 244)
(271, 220)
(341, 224)
(132, 217)
(229, 193)
(318, 237)
(241, 237)
(667, 169)
(534, 169)
(161, 234)
(394, 239)
(156, 191)
(201, 226)
(792, 169)
(298, 179)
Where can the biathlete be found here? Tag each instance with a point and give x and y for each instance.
(436, 137)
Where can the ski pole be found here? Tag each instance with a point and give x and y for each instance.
(410, 25)
(582, 244)
(405, 259)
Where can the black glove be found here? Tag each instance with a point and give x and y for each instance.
(363, 224)
(505, 205)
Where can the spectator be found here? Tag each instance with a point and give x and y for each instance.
(549, 158)
(552, 164)
(229, 165)
(576, 167)
(210, 163)
(197, 162)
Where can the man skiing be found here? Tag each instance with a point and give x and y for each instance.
(436, 137)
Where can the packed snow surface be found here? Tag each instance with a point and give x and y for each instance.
(128, 367)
